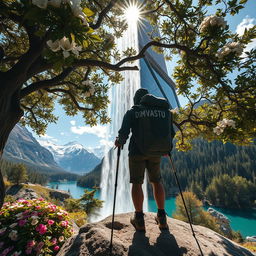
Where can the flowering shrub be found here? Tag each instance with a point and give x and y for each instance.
(234, 47)
(75, 6)
(221, 125)
(33, 227)
(211, 21)
(64, 45)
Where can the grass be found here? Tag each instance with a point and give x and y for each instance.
(250, 246)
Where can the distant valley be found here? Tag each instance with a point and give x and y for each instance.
(47, 157)
(72, 156)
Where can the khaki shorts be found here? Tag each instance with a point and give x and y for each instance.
(137, 166)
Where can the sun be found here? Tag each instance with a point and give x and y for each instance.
(132, 13)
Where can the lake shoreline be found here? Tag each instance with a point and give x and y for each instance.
(244, 221)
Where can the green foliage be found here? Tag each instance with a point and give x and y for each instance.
(34, 227)
(86, 203)
(206, 161)
(236, 192)
(38, 174)
(91, 179)
(79, 78)
(198, 215)
(17, 174)
(90, 204)
(72, 205)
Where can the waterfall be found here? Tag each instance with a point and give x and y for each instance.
(121, 98)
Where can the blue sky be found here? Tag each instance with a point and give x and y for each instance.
(69, 129)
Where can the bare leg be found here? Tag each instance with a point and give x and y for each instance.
(137, 197)
(159, 194)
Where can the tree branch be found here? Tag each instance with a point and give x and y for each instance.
(72, 97)
(45, 83)
(103, 13)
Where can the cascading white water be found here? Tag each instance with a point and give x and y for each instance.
(121, 100)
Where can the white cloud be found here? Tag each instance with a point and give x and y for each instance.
(62, 133)
(73, 122)
(47, 137)
(99, 130)
(107, 143)
(246, 23)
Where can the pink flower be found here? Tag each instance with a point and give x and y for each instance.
(38, 207)
(28, 250)
(31, 243)
(40, 246)
(41, 228)
(34, 213)
(50, 222)
(6, 251)
(26, 212)
(41, 199)
(22, 223)
(64, 223)
(56, 248)
(54, 241)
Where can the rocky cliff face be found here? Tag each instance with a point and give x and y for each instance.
(93, 239)
(23, 147)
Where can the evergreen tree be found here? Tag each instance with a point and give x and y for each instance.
(231, 192)
(17, 174)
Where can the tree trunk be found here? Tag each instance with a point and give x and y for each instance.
(10, 114)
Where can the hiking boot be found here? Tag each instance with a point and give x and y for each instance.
(161, 221)
(138, 223)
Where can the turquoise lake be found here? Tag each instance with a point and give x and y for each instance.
(242, 220)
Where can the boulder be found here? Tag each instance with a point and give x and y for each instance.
(60, 195)
(18, 191)
(222, 220)
(94, 239)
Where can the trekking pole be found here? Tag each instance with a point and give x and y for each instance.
(114, 205)
(183, 200)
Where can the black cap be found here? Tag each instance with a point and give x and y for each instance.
(138, 95)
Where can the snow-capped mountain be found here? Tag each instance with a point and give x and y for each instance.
(23, 147)
(98, 151)
(72, 156)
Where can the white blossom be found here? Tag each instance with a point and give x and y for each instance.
(76, 49)
(13, 235)
(54, 46)
(40, 3)
(221, 125)
(91, 87)
(235, 47)
(218, 130)
(75, 6)
(61, 238)
(13, 225)
(212, 21)
(65, 44)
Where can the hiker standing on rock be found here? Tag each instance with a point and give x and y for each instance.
(150, 122)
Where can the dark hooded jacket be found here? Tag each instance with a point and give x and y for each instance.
(153, 107)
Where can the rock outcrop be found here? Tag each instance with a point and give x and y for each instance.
(19, 191)
(93, 239)
(222, 220)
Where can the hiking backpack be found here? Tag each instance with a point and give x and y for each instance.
(154, 126)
